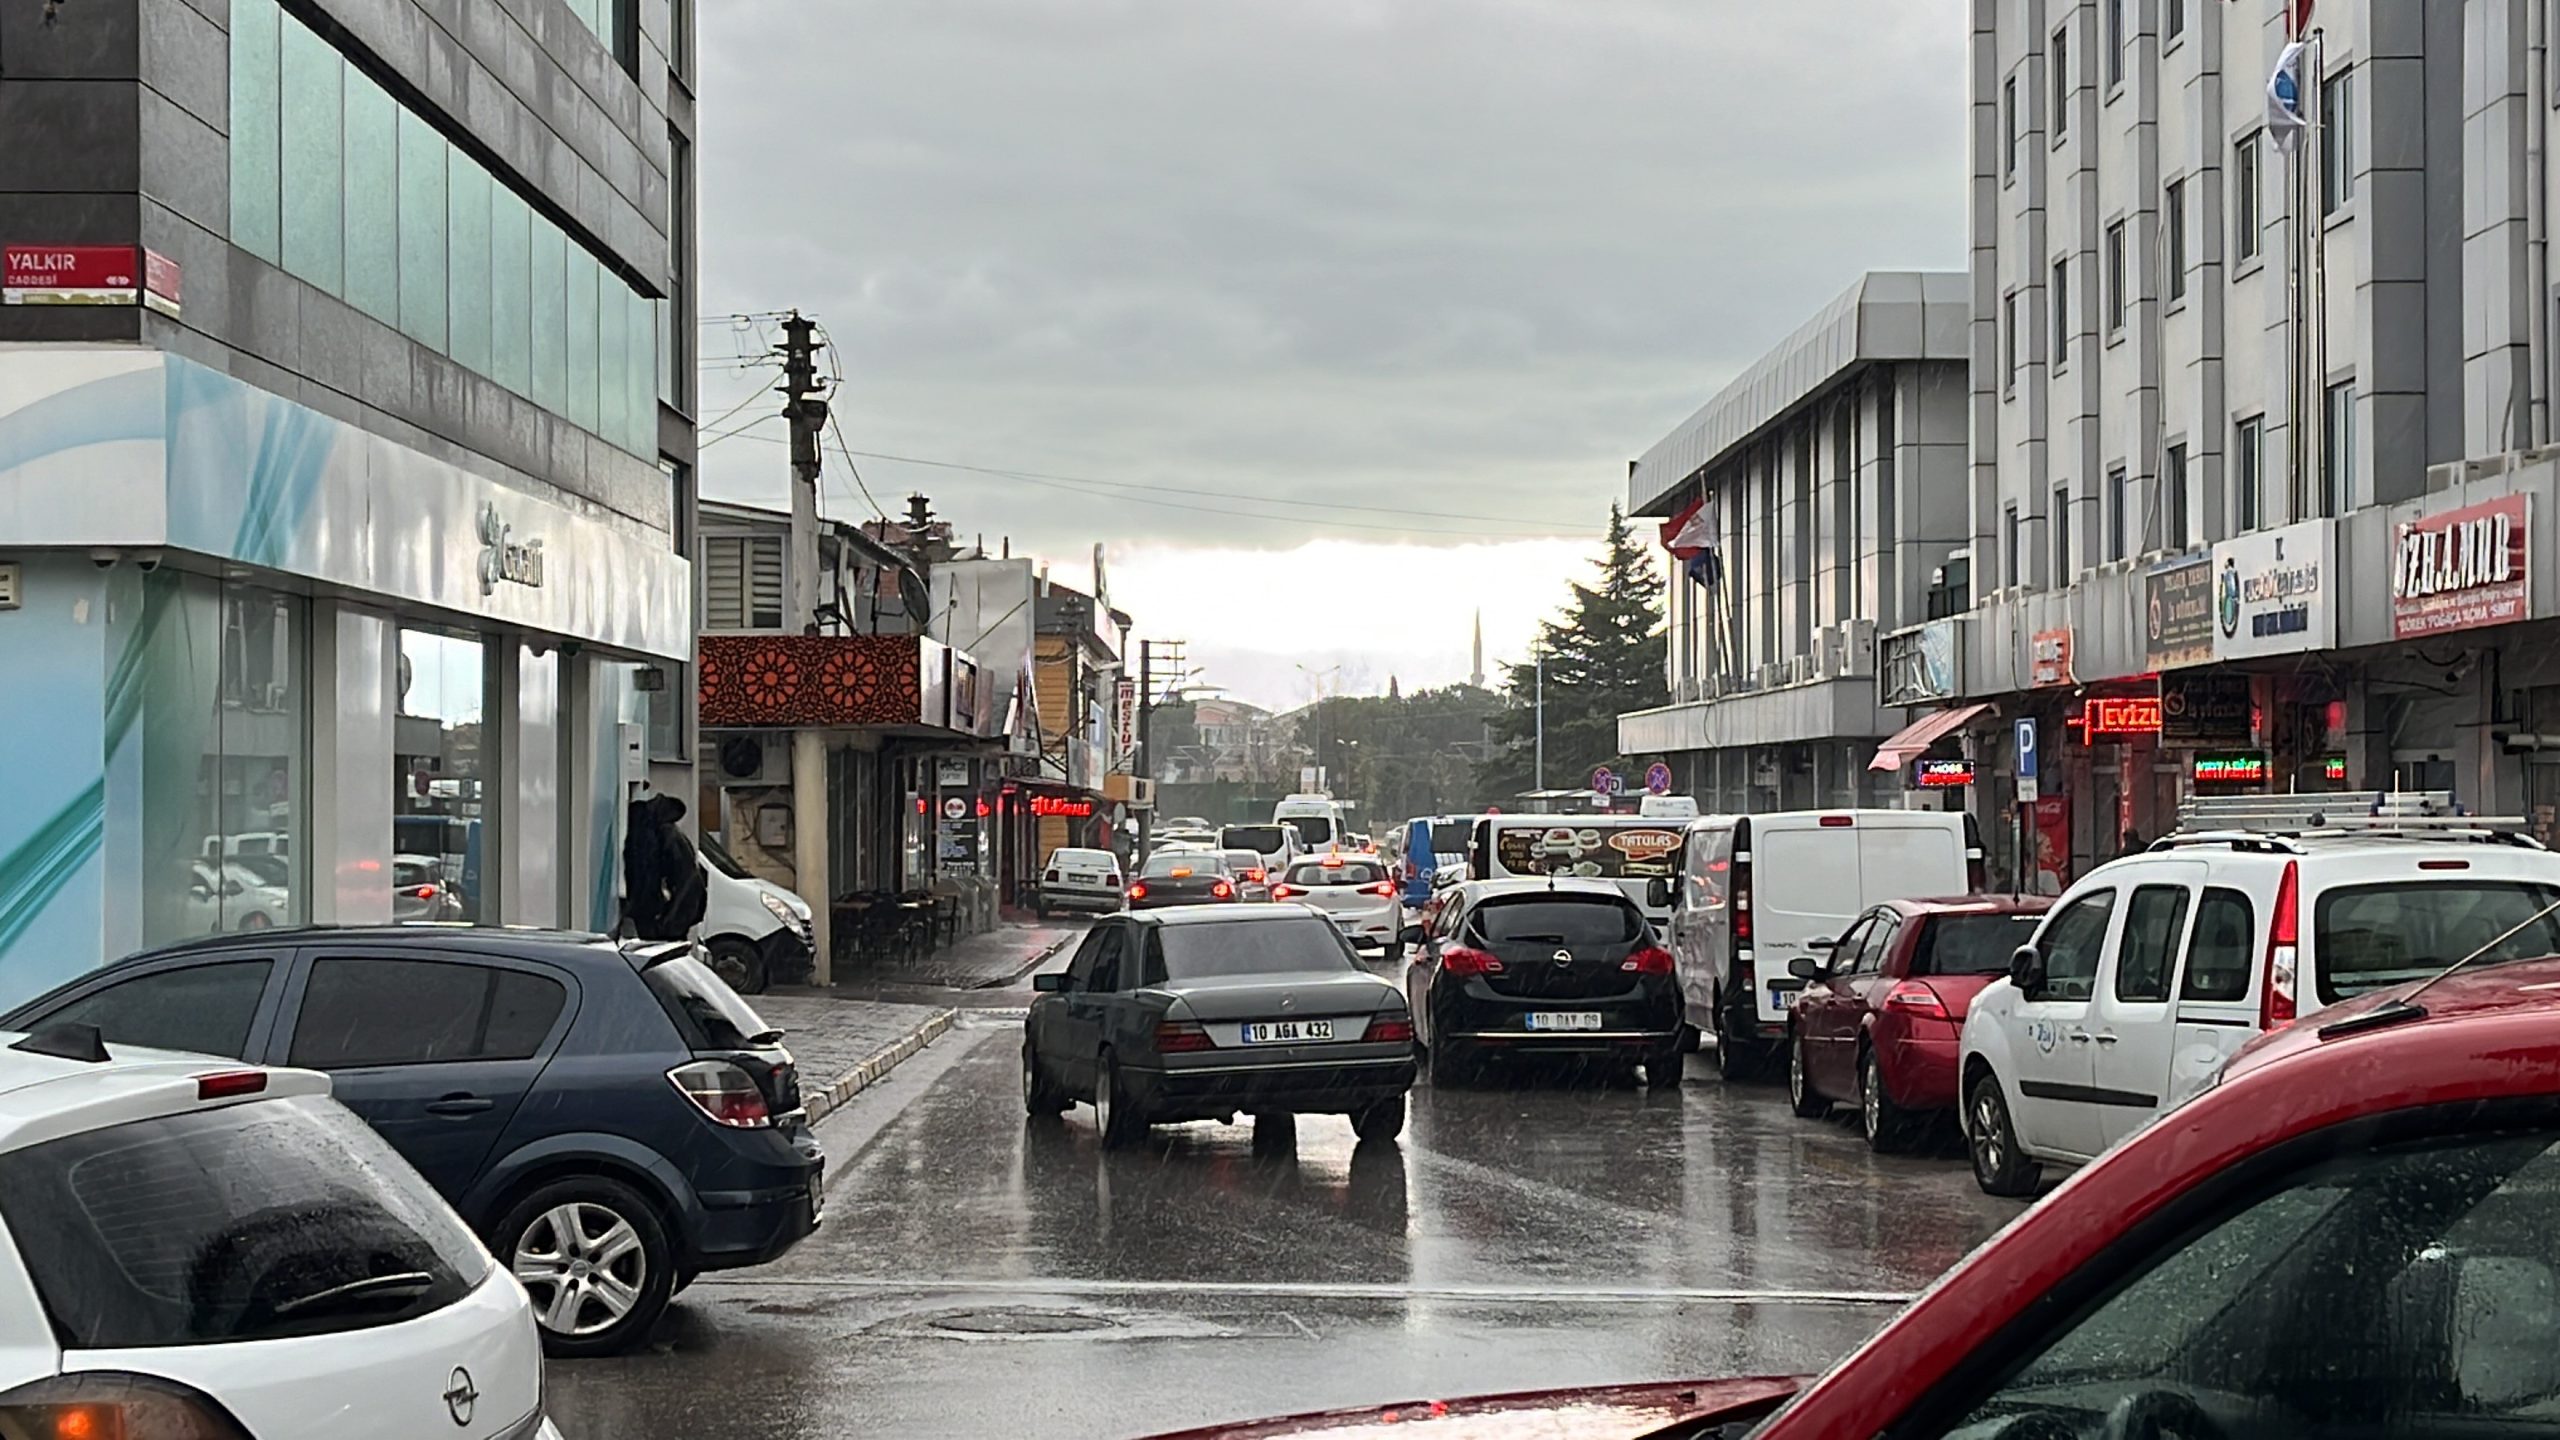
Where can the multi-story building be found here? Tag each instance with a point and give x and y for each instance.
(1082, 794)
(1826, 488)
(370, 428)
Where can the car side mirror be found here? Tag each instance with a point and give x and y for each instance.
(1413, 935)
(1805, 967)
(1657, 891)
(1051, 983)
(231, 887)
(2026, 969)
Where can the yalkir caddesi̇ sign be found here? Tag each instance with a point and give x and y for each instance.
(88, 275)
(2460, 569)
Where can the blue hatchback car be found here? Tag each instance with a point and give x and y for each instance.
(611, 1117)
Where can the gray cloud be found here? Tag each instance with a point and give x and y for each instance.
(1469, 255)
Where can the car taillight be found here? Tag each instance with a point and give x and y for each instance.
(1138, 890)
(1175, 1037)
(1651, 960)
(1285, 892)
(2275, 1005)
(1382, 1031)
(1913, 998)
(106, 1405)
(1222, 890)
(1460, 960)
(724, 1092)
(423, 892)
(1838, 822)
(1741, 901)
(1112, 880)
(1050, 878)
(230, 1084)
(1385, 887)
(1253, 877)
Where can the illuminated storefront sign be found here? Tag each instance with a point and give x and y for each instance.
(2129, 715)
(1062, 806)
(2236, 767)
(1942, 774)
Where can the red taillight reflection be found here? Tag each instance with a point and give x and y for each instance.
(1181, 1036)
(1461, 960)
(1651, 960)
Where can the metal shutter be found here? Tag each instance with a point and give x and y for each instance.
(742, 582)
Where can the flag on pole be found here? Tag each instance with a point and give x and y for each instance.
(1690, 536)
(2297, 16)
(2285, 120)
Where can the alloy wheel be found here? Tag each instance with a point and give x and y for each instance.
(1989, 1146)
(1795, 1073)
(1102, 1103)
(1871, 1097)
(584, 1266)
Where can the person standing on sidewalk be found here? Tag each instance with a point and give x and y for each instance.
(664, 894)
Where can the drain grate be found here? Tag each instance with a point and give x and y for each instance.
(1014, 1320)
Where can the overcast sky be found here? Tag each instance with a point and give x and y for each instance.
(1429, 271)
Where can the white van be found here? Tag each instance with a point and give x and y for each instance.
(1755, 892)
(1626, 850)
(1276, 843)
(1317, 819)
(2153, 970)
(755, 930)
(1668, 807)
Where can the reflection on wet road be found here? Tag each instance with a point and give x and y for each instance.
(980, 1276)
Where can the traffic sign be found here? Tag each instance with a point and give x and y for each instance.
(1657, 779)
(2026, 733)
(1605, 781)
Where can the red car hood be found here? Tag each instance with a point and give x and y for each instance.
(1599, 1412)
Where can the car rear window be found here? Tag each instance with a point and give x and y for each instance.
(708, 1014)
(1211, 950)
(1312, 829)
(1084, 859)
(250, 1222)
(2367, 936)
(1260, 839)
(1971, 944)
(1560, 920)
(1349, 872)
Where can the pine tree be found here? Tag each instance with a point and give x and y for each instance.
(1604, 656)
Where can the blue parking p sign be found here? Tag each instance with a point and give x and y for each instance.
(2026, 733)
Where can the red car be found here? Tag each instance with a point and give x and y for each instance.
(2351, 1234)
(1880, 1025)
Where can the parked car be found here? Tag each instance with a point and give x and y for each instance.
(1880, 1021)
(1754, 893)
(2153, 969)
(1181, 877)
(420, 894)
(1253, 881)
(1353, 892)
(1207, 1012)
(197, 1248)
(1078, 879)
(1522, 967)
(611, 1118)
(753, 931)
(234, 896)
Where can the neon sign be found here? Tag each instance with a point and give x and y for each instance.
(1943, 774)
(2128, 715)
(2239, 767)
(1062, 806)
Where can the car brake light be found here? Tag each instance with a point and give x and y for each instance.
(1383, 1031)
(723, 1092)
(1180, 872)
(1051, 877)
(1741, 901)
(2444, 864)
(423, 892)
(1838, 822)
(104, 1405)
(1222, 890)
(1175, 1037)
(1253, 877)
(2275, 1006)
(1112, 880)
(1284, 892)
(1138, 890)
(1651, 960)
(1331, 862)
(1914, 998)
(1384, 887)
(1461, 960)
(230, 1084)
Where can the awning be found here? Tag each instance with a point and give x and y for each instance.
(1920, 734)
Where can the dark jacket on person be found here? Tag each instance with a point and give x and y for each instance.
(664, 892)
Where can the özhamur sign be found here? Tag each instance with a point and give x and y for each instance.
(2460, 569)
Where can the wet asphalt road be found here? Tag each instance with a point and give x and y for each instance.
(980, 1276)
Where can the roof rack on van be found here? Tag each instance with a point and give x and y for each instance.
(2260, 820)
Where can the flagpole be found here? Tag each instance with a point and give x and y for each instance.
(2314, 69)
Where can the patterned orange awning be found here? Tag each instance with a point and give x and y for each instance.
(797, 680)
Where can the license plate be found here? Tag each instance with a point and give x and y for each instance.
(1286, 1032)
(1782, 999)
(1084, 879)
(1564, 1019)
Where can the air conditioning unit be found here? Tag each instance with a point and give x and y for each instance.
(1858, 647)
(755, 758)
(1769, 676)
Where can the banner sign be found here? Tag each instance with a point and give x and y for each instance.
(2050, 659)
(1124, 724)
(1920, 665)
(88, 275)
(2271, 592)
(2177, 614)
(2459, 569)
(2207, 709)
(1942, 774)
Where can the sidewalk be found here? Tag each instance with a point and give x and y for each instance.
(845, 1046)
(997, 957)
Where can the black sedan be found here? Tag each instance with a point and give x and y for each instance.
(1182, 877)
(1544, 966)
(1207, 1012)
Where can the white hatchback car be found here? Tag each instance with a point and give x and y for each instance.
(1355, 892)
(2154, 969)
(196, 1249)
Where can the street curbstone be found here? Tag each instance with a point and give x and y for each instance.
(824, 1102)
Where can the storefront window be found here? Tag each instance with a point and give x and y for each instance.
(440, 765)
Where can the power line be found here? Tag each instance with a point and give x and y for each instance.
(847, 452)
(731, 413)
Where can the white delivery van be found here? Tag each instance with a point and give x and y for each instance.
(1317, 819)
(1668, 807)
(756, 931)
(1627, 850)
(1754, 892)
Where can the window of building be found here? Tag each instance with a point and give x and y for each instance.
(2117, 300)
(2338, 450)
(336, 182)
(2117, 483)
(2173, 234)
(2009, 129)
(2009, 343)
(440, 767)
(2173, 481)
(2061, 61)
(2337, 142)
(742, 582)
(2009, 558)
(675, 313)
(2115, 43)
(2246, 223)
(2248, 471)
(2061, 300)
(2061, 517)
(680, 28)
(2173, 18)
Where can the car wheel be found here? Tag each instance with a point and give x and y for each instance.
(255, 920)
(1393, 954)
(1888, 1126)
(1275, 1132)
(739, 963)
(1801, 1096)
(1113, 1114)
(596, 1260)
(1737, 1057)
(1452, 1065)
(1041, 1097)
(1380, 1123)
(1999, 1167)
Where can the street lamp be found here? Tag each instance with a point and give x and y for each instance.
(1538, 658)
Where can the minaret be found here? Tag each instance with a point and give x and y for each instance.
(1476, 678)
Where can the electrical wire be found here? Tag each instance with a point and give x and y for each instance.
(730, 414)
(846, 451)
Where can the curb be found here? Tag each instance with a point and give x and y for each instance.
(1034, 963)
(822, 1103)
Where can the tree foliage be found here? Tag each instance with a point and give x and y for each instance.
(1604, 656)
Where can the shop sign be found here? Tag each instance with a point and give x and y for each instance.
(504, 558)
(965, 707)
(2271, 591)
(2204, 708)
(2333, 768)
(2460, 569)
(1063, 806)
(1942, 774)
(2115, 717)
(2235, 767)
(1124, 723)
(2050, 658)
(1920, 665)
(88, 275)
(955, 808)
(951, 773)
(2177, 613)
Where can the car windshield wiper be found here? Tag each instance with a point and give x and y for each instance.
(403, 1285)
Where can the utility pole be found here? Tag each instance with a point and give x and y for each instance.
(805, 407)
(1539, 655)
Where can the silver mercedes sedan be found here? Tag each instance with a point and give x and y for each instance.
(1210, 1011)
